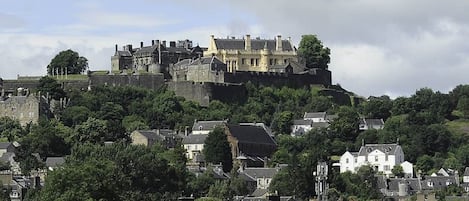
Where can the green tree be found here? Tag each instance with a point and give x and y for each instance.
(282, 122)
(398, 171)
(314, 53)
(75, 115)
(11, 129)
(463, 106)
(217, 149)
(92, 130)
(67, 61)
(134, 122)
(346, 124)
(50, 86)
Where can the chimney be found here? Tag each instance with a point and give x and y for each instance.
(128, 48)
(141, 44)
(157, 42)
(152, 42)
(279, 43)
(164, 43)
(117, 47)
(247, 42)
(172, 43)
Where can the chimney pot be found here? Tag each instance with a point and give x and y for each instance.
(247, 44)
(141, 44)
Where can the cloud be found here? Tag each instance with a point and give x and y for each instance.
(135, 20)
(10, 22)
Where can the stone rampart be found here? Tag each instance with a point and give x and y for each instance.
(151, 81)
(312, 77)
(204, 92)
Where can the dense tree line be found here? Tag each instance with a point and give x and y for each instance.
(430, 126)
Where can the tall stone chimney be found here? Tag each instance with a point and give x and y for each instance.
(164, 43)
(141, 44)
(279, 43)
(247, 42)
(152, 42)
(117, 47)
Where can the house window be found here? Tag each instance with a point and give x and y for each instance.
(430, 184)
(386, 168)
(285, 60)
(275, 61)
(376, 158)
(346, 160)
(355, 160)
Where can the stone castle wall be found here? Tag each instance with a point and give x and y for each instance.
(153, 81)
(204, 92)
(313, 77)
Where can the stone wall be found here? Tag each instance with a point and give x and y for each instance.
(151, 81)
(26, 109)
(204, 92)
(313, 77)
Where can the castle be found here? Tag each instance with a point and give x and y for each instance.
(201, 74)
(152, 59)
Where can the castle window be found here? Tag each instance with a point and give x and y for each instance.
(243, 61)
(285, 60)
(252, 62)
(271, 62)
(275, 61)
(257, 62)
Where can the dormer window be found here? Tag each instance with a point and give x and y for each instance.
(200, 128)
(369, 150)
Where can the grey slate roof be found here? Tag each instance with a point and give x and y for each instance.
(250, 134)
(260, 172)
(314, 115)
(207, 60)
(5, 145)
(207, 125)
(413, 184)
(124, 53)
(194, 139)
(302, 122)
(372, 122)
(156, 134)
(438, 182)
(256, 44)
(385, 148)
(54, 161)
(320, 125)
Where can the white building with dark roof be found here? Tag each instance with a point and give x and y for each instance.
(369, 123)
(382, 157)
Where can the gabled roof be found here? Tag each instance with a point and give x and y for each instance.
(124, 53)
(320, 124)
(207, 125)
(7, 156)
(5, 145)
(385, 148)
(309, 115)
(147, 49)
(54, 161)
(303, 122)
(466, 171)
(412, 183)
(208, 60)
(158, 134)
(372, 122)
(438, 182)
(194, 139)
(260, 172)
(250, 134)
(256, 44)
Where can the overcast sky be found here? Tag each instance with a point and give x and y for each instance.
(378, 47)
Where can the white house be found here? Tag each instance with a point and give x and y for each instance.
(382, 157)
(368, 124)
(194, 144)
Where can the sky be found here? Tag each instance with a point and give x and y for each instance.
(378, 47)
